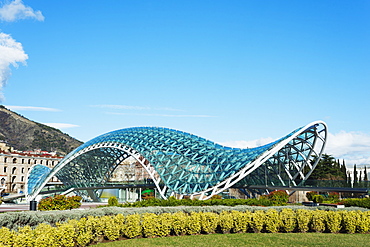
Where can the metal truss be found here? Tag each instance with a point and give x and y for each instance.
(182, 164)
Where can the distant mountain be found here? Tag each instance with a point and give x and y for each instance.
(25, 135)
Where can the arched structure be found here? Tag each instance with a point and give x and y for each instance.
(181, 164)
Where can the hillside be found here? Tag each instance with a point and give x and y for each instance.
(23, 134)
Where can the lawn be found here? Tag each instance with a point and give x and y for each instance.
(250, 239)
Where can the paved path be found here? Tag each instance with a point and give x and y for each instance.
(7, 207)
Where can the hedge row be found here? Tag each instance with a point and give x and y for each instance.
(14, 220)
(92, 229)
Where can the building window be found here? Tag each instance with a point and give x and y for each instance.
(22, 161)
(14, 160)
(22, 169)
(5, 169)
(29, 161)
(13, 179)
(5, 159)
(14, 170)
(40, 162)
(22, 178)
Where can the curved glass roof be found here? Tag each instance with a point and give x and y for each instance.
(185, 163)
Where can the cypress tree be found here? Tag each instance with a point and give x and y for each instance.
(365, 175)
(354, 176)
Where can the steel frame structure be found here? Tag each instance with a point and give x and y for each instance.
(182, 164)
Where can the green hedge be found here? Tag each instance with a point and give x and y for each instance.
(92, 229)
(356, 202)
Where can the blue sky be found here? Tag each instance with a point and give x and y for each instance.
(239, 73)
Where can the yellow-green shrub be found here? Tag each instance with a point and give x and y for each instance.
(363, 222)
(193, 225)
(65, 234)
(7, 236)
(178, 223)
(24, 237)
(350, 220)
(272, 220)
(318, 221)
(333, 221)
(132, 226)
(288, 220)
(241, 221)
(303, 219)
(258, 221)
(226, 222)
(209, 222)
(156, 225)
(44, 235)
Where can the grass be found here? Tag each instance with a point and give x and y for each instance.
(250, 239)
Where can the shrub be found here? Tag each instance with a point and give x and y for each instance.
(272, 221)
(278, 197)
(303, 220)
(310, 195)
(132, 226)
(241, 221)
(258, 221)
(318, 221)
(112, 201)
(59, 202)
(356, 202)
(333, 196)
(318, 199)
(226, 222)
(288, 220)
(350, 220)
(333, 221)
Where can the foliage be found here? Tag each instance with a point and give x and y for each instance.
(328, 168)
(278, 197)
(311, 194)
(59, 202)
(318, 199)
(333, 196)
(112, 201)
(356, 202)
(94, 229)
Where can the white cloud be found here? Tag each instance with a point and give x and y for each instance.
(61, 125)
(12, 53)
(16, 10)
(353, 147)
(30, 108)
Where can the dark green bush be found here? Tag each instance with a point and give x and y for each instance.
(310, 195)
(318, 199)
(356, 202)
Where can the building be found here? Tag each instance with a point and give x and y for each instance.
(14, 167)
(181, 164)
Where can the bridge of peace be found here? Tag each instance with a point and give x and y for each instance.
(126, 162)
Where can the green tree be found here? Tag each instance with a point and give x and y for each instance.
(328, 169)
(365, 175)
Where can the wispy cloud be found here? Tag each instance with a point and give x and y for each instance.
(62, 125)
(11, 53)
(30, 108)
(16, 10)
(353, 147)
(159, 115)
(137, 108)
